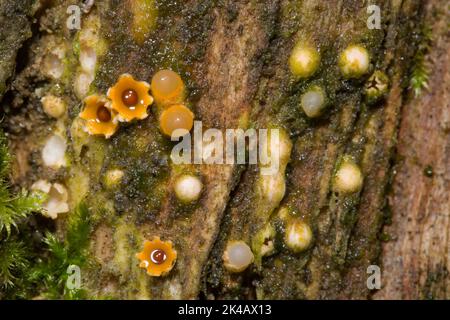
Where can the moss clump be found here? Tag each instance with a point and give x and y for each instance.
(13, 208)
(50, 274)
(14, 261)
(14, 213)
(420, 71)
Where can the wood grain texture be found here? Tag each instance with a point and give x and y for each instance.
(416, 261)
(233, 57)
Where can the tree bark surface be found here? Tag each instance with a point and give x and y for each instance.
(416, 260)
(233, 57)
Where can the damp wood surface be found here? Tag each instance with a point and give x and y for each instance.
(416, 261)
(233, 57)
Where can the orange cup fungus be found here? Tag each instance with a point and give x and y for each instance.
(167, 87)
(176, 117)
(158, 257)
(130, 98)
(100, 118)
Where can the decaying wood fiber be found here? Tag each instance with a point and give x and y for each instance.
(416, 260)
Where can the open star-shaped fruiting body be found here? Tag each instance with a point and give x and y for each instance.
(158, 257)
(100, 118)
(130, 98)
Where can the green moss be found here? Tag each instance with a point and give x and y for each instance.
(14, 260)
(420, 71)
(13, 208)
(76, 46)
(15, 254)
(50, 274)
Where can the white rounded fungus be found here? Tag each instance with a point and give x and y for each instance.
(188, 188)
(53, 153)
(237, 256)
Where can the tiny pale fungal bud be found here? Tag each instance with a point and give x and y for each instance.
(53, 64)
(348, 178)
(298, 236)
(88, 59)
(188, 188)
(53, 106)
(81, 84)
(272, 187)
(354, 61)
(54, 151)
(175, 117)
(304, 61)
(237, 256)
(313, 101)
(275, 152)
(113, 177)
(57, 197)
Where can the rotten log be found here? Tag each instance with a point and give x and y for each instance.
(233, 57)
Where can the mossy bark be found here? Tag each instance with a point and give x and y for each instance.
(15, 18)
(233, 57)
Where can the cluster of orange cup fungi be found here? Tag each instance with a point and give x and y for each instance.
(158, 257)
(129, 100)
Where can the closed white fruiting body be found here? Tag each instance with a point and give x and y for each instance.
(348, 178)
(53, 106)
(313, 101)
(237, 256)
(188, 188)
(113, 177)
(53, 153)
(298, 236)
(354, 61)
(57, 198)
(304, 61)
